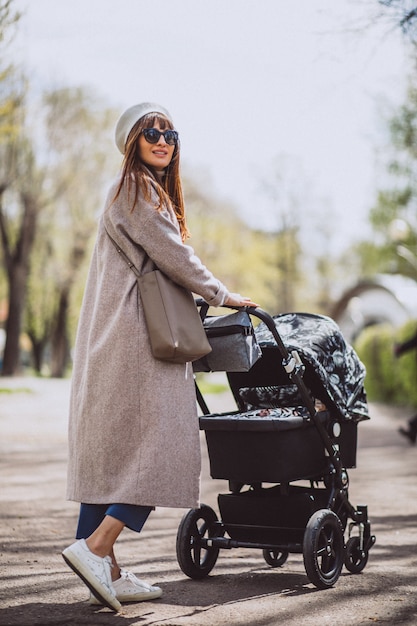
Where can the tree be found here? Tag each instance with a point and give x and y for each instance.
(8, 20)
(41, 301)
(244, 259)
(404, 15)
(282, 187)
(391, 250)
(78, 162)
(19, 188)
(20, 205)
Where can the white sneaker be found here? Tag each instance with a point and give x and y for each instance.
(129, 588)
(94, 571)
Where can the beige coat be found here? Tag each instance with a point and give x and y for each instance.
(133, 430)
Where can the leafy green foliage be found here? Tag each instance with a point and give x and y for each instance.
(259, 264)
(388, 251)
(388, 379)
(10, 91)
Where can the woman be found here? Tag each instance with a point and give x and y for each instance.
(133, 431)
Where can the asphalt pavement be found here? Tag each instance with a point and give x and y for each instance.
(36, 523)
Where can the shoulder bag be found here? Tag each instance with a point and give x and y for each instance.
(174, 325)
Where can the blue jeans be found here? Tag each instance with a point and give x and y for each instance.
(91, 515)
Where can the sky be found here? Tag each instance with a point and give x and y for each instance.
(266, 94)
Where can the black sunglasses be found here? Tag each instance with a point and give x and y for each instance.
(152, 135)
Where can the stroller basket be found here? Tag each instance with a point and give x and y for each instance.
(274, 516)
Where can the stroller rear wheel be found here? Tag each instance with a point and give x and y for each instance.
(195, 558)
(355, 558)
(275, 558)
(323, 548)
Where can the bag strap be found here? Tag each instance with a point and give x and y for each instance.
(203, 309)
(123, 254)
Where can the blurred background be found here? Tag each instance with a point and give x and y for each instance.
(298, 126)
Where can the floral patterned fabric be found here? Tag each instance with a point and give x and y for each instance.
(320, 343)
(269, 397)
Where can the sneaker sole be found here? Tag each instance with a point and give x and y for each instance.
(136, 598)
(84, 573)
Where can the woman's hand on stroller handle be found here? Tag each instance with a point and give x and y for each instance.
(235, 299)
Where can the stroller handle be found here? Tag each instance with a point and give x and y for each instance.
(256, 312)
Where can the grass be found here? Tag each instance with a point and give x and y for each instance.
(15, 390)
(207, 386)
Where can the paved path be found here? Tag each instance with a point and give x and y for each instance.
(36, 523)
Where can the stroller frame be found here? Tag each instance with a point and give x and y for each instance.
(308, 520)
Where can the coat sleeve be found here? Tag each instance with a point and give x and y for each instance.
(157, 233)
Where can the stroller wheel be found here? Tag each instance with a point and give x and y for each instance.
(195, 558)
(323, 548)
(355, 558)
(275, 558)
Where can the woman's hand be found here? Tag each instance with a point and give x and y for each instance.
(235, 299)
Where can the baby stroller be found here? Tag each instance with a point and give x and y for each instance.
(285, 452)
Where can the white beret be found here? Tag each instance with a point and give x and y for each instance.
(132, 115)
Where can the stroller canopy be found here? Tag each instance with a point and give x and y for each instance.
(320, 343)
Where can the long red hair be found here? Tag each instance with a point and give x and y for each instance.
(136, 174)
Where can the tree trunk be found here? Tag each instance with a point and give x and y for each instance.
(17, 290)
(59, 340)
(38, 348)
(17, 264)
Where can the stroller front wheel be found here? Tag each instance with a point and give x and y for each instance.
(275, 558)
(355, 558)
(323, 548)
(195, 557)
